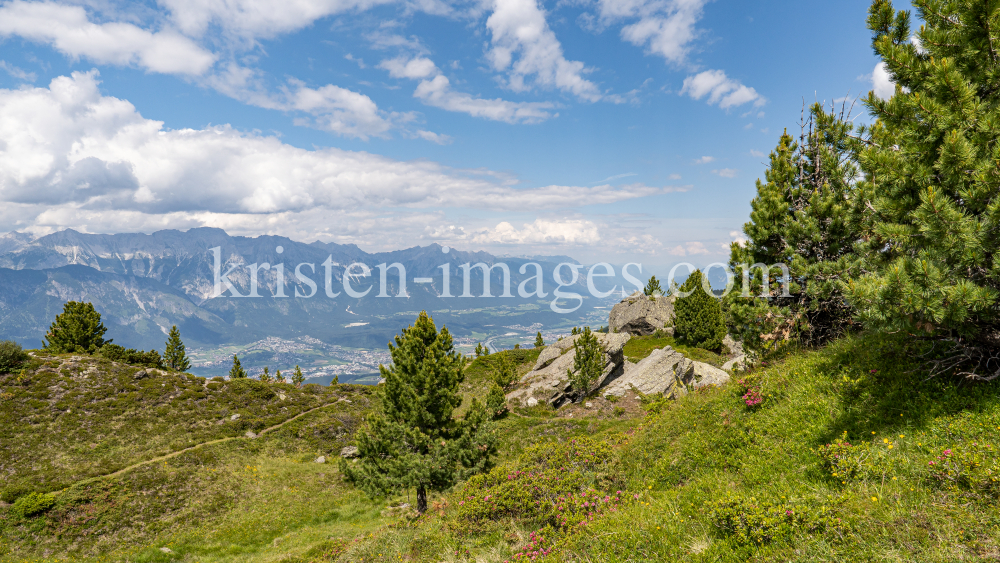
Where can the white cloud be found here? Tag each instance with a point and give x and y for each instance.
(674, 177)
(757, 153)
(704, 160)
(340, 111)
(68, 30)
(519, 29)
(541, 231)
(665, 27)
(250, 19)
(737, 237)
(720, 90)
(688, 249)
(882, 82)
(434, 137)
(16, 72)
(435, 90)
(726, 172)
(70, 150)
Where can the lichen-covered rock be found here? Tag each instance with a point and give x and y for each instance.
(549, 381)
(641, 315)
(653, 375)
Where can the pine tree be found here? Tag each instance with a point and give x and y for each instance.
(653, 288)
(266, 376)
(479, 349)
(807, 216)
(237, 371)
(505, 372)
(496, 401)
(297, 378)
(278, 378)
(175, 357)
(77, 330)
(539, 341)
(413, 440)
(698, 317)
(588, 362)
(931, 177)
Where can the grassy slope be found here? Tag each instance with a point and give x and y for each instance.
(262, 500)
(639, 347)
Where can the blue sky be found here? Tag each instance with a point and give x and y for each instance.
(609, 130)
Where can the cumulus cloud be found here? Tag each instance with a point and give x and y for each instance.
(435, 90)
(68, 30)
(726, 172)
(757, 153)
(664, 27)
(519, 30)
(704, 160)
(720, 90)
(541, 231)
(340, 111)
(882, 82)
(70, 147)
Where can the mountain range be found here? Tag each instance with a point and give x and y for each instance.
(142, 284)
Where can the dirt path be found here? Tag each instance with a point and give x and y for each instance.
(194, 447)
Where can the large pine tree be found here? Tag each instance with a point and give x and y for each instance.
(77, 330)
(932, 183)
(414, 440)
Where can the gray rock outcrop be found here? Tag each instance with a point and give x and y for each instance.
(655, 374)
(549, 380)
(699, 374)
(640, 315)
(349, 452)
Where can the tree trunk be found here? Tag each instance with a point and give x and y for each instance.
(421, 499)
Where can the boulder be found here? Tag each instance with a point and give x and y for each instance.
(735, 348)
(321, 459)
(349, 452)
(532, 402)
(141, 374)
(737, 363)
(699, 374)
(640, 315)
(549, 381)
(653, 375)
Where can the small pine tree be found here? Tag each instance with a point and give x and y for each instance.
(539, 341)
(486, 350)
(496, 401)
(174, 357)
(505, 372)
(479, 349)
(266, 376)
(588, 362)
(517, 346)
(237, 371)
(698, 317)
(297, 378)
(653, 288)
(77, 330)
(413, 440)
(278, 378)
(12, 356)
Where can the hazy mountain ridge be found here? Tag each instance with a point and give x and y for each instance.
(144, 283)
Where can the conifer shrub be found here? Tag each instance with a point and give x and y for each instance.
(131, 356)
(12, 356)
(33, 504)
(698, 317)
(588, 363)
(251, 391)
(496, 401)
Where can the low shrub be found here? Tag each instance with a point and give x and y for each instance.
(973, 467)
(33, 504)
(857, 462)
(251, 391)
(752, 522)
(131, 356)
(12, 356)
